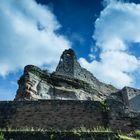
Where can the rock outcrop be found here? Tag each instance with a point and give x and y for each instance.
(72, 82)
(129, 97)
(69, 82)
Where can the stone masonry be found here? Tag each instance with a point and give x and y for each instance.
(66, 115)
(51, 114)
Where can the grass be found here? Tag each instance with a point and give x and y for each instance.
(77, 131)
(1, 136)
(137, 133)
(80, 129)
(26, 129)
(81, 132)
(124, 137)
(93, 130)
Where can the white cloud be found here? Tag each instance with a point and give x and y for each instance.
(27, 35)
(117, 26)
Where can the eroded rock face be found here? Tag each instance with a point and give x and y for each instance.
(69, 82)
(72, 82)
(129, 97)
(33, 84)
(68, 66)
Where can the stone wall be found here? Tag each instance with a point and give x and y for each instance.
(121, 117)
(51, 114)
(67, 114)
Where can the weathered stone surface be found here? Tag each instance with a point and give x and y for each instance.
(133, 96)
(66, 115)
(51, 114)
(69, 82)
(33, 84)
(69, 67)
(121, 117)
(129, 97)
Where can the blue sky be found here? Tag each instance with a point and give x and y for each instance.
(105, 35)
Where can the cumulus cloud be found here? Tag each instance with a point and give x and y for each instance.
(116, 28)
(28, 35)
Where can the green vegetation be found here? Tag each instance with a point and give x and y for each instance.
(77, 132)
(124, 137)
(137, 133)
(105, 106)
(1, 136)
(93, 130)
(80, 129)
(135, 136)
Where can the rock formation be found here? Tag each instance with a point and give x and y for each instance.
(71, 82)
(129, 97)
